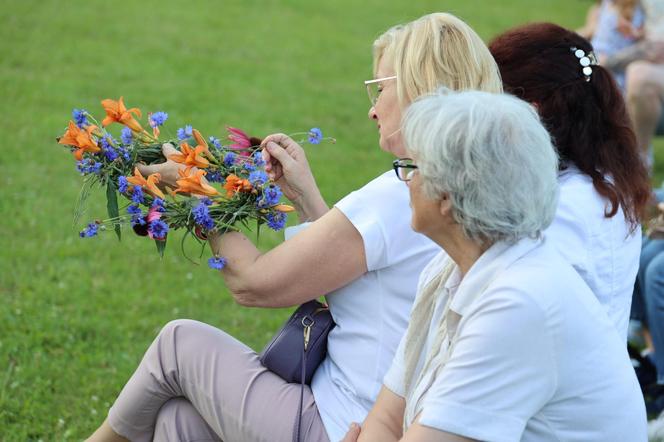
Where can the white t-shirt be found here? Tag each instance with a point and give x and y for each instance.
(535, 359)
(371, 312)
(601, 249)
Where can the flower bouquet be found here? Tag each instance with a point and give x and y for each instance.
(218, 188)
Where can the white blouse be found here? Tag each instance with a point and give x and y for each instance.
(602, 250)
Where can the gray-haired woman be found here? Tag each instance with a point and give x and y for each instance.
(504, 337)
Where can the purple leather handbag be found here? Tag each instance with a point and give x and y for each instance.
(297, 350)
(301, 344)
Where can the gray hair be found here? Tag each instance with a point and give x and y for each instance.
(493, 157)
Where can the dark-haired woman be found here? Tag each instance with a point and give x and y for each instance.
(603, 183)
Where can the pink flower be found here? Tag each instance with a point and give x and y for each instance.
(153, 214)
(240, 139)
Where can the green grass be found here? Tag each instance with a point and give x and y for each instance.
(75, 315)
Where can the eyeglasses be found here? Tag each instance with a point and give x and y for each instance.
(374, 88)
(404, 168)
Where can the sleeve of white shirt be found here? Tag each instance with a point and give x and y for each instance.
(380, 211)
(394, 378)
(501, 372)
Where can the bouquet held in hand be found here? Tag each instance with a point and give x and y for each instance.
(217, 187)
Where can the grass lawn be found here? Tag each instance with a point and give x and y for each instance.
(76, 315)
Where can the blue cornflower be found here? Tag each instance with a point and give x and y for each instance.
(111, 154)
(276, 220)
(270, 197)
(202, 216)
(214, 176)
(137, 196)
(258, 177)
(185, 132)
(215, 142)
(217, 263)
(125, 153)
(158, 204)
(127, 136)
(123, 184)
(315, 135)
(158, 228)
(207, 201)
(81, 166)
(107, 148)
(87, 165)
(80, 117)
(229, 159)
(258, 159)
(89, 231)
(136, 214)
(158, 119)
(249, 165)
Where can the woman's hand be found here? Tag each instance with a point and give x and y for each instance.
(353, 433)
(287, 165)
(168, 170)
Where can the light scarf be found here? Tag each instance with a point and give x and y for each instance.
(416, 336)
(473, 285)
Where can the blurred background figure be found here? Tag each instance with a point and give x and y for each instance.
(618, 26)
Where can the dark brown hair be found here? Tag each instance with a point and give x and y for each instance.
(586, 119)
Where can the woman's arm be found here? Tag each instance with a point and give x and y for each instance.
(327, 255)
(421, 433)
(384, 421)
(384, 424)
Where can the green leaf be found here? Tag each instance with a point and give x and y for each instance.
(112, 206)
(161, 246)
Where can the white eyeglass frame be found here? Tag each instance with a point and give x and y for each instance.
(368, 84)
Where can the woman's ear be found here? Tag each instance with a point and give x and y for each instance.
(445, 204)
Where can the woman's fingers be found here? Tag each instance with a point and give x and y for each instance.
(149, 170)
(353, 433)
(280, 154)
(167, 149)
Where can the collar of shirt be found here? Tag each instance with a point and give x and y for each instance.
(491, 264)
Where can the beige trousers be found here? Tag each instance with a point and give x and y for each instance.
(197, 383)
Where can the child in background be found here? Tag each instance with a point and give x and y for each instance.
(619, 26)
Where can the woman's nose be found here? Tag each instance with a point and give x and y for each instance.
(372, 113)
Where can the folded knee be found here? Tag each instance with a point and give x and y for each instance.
(178, 326)
(642, 79)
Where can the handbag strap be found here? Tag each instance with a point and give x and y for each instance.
(307, 323)
(299, 407)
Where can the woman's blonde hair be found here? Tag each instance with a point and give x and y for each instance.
(437, 50)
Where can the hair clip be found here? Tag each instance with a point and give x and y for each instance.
(585, 60)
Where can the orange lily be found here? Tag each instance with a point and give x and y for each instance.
(194, 183)
(190, 157)
(283, 208)
(116, 111)
(82, 139)
(234, 184)
(200, 142)
(150, 183)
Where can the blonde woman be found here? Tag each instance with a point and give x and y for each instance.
(198, 383)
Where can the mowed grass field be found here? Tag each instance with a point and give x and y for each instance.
(76, 315)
